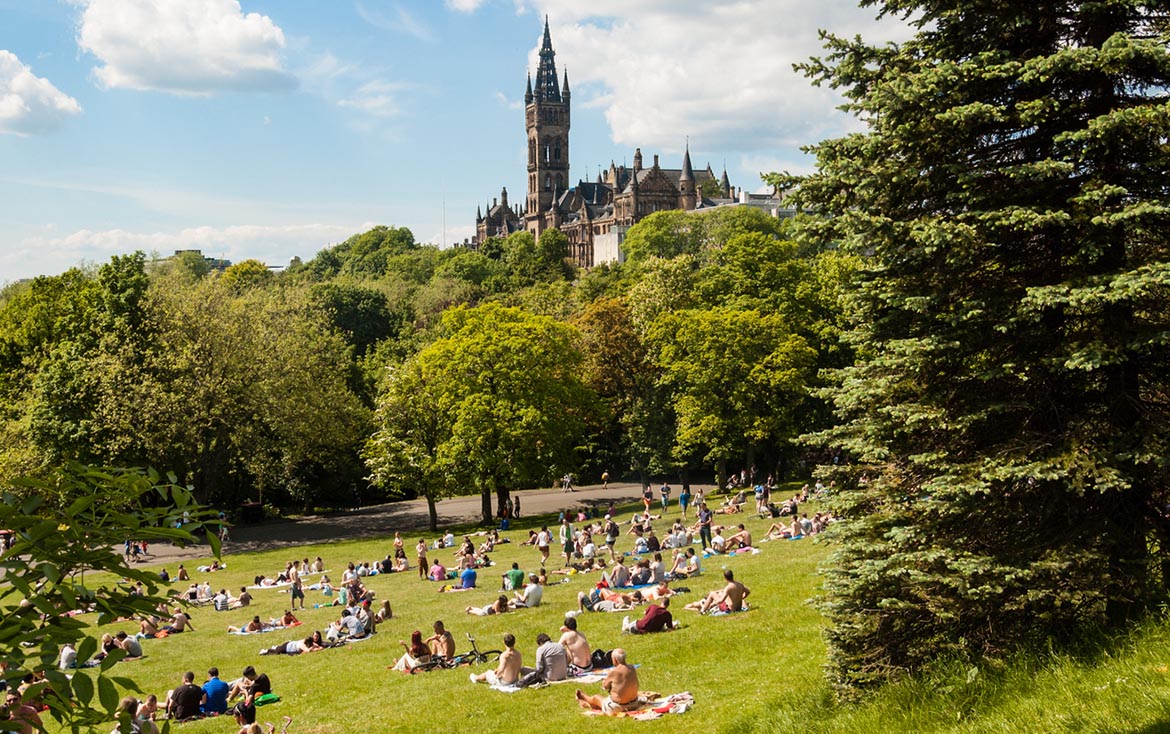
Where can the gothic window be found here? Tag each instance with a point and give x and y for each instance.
(557, 151)
(547, 182)
(547, 152)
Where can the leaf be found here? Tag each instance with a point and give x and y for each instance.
(83, 688)
(108, 694)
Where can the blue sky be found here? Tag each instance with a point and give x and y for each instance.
(273, 128)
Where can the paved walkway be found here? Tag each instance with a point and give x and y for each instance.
(408, 515)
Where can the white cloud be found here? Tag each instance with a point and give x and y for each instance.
(720, 72)
(464, 6)
(28, 103)
(197, 47)
(377, 98)
(512, 104)
(274, 245)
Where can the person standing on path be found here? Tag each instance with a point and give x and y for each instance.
(684, 499)
(664, 492)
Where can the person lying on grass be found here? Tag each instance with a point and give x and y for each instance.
(728, 599)
(254, 626)
(507, 672)
(621, 682)
(292, 647)
(607, 600)
(499, 606)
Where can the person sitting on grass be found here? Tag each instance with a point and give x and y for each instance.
(621, 682)
(530, 596)
(740, 539)
(576, 646)
(215, 693)
(467, 578)
(513, 578)
(416, 654)
(656, 619)
(728, 599)
(507, 672)
(253, 686)
(499, 606)
(442, 643)
(384, 613)
(180, 622)
(185, 702)
(438, 572)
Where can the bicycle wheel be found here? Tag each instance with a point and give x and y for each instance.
(490, 656)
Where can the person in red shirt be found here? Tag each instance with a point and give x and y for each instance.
(656, 619)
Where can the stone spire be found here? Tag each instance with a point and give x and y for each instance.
(546, 73)
(528, 94)
(688, 173)
(725, 183)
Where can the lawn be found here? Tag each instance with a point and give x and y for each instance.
(759, 671)
(732, 664)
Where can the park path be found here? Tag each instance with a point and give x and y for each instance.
(383, 520)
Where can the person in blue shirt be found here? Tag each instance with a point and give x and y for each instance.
(467, 578)
(216, 692)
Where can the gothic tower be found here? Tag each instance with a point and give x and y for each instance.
(546, 115)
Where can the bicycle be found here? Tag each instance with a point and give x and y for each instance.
(474, 656)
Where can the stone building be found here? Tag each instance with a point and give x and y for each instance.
(593, 215)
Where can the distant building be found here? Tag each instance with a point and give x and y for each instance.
(214, 264)
(595, 216)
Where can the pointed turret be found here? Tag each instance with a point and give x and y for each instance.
(688, 173)
(725, 183)
(565, 86)
(637, 159)
(546, 73)
(528, 94)
(687, 194)
(478, 215)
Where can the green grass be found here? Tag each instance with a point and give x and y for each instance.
(760, 671)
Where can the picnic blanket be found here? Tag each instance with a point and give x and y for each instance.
(273, 586)
(653, 706)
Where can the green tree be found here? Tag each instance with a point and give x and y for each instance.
(1009, 202)
(739, 378)
(246, 274)
(506, 390)
(68, 529)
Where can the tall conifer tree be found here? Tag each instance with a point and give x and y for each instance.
(1011, 195)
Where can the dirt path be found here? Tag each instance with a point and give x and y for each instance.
(383, 520)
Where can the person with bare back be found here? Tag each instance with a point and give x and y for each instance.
(622, 684)
(728, 599)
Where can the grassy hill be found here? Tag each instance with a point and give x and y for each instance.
(759, 671)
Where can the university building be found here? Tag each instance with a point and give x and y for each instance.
(594, 215)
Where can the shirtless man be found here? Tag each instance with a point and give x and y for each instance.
(622, 684)
(741, 539)
(728, 599)
(442, 644)
(254, 626)
(575, 644)
(508, 670)
(179, 623)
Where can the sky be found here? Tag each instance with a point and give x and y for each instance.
(270, 129)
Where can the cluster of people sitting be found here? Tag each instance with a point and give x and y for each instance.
(189, 701)
(128, 644)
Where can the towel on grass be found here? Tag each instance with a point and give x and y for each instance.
(653, 706)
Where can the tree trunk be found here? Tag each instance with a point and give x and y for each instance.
(485, 496)
(433, 513)
(684, 478)
(502, 497)
(721, 474)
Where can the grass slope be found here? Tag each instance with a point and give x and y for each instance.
(754, 672)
